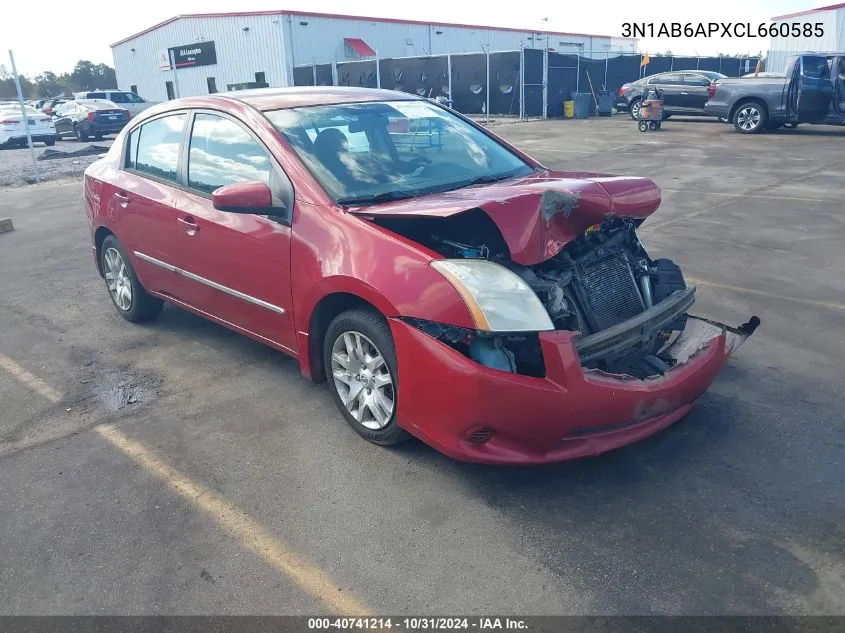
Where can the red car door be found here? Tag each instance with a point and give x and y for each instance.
(144, 199)
(235, 266)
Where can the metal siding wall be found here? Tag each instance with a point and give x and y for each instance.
(240, 55)
(833, 40)
(321, 39)
(275, 43)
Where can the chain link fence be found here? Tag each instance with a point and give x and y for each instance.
(526, 84)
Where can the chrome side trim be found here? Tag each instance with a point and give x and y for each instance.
(157, 262)
(212, 284)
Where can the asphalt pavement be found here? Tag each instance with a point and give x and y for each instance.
(176, 467)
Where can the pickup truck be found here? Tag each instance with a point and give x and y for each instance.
(811, 91)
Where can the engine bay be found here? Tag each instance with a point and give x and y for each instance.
(596, 282)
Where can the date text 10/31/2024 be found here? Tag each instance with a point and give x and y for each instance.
(722, 29)
(418, 623)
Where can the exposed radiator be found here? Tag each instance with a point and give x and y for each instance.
(611, 291)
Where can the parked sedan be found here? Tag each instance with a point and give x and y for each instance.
(86, 118)
(684, 92)
(445, 284)
(13, 128)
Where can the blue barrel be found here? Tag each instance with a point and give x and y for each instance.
(582, 104)
(606, 99)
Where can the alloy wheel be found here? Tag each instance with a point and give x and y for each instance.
(117, 279)
(363, 380)
(635, 110)
(748, 118)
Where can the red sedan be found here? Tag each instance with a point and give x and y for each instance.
(444, 284)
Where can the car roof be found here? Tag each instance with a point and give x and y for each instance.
(97, 104)
(300, 96)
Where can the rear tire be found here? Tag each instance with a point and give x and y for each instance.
(128, 296)
(361, 370)
(750, 118)
(98, 137)
(50, 142)
(81, 136)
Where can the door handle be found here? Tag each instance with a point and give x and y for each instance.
(684, 93)
(191, 227)
(122, 197)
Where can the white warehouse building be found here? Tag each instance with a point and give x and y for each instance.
(228, 51)
(829, 20)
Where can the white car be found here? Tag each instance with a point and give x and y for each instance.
(13, 128)
(124, 99)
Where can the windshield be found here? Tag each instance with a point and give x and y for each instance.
(375, 151)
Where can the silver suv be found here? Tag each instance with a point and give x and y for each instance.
(124, 99)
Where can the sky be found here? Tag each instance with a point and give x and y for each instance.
(52, 35)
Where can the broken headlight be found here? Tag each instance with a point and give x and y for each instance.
(497, 299)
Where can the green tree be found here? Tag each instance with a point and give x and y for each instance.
(47, 84)
(83, 75)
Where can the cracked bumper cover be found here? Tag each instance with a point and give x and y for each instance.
(572, 412)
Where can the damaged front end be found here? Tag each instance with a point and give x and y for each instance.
(631, 312)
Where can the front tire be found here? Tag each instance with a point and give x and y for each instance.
(750, 118)
(361, 370)
(130, 299)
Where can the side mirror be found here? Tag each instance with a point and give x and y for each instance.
(245, 197)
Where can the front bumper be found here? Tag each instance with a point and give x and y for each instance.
(573, 412)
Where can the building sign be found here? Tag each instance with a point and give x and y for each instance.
(164, 59)
(199, 54)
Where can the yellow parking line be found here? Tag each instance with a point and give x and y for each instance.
(30, 380)
(241, 527)
(763, 293)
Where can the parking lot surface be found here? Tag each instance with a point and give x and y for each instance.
(177, 467)
(16, 163)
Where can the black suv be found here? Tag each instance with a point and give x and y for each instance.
(684, 91)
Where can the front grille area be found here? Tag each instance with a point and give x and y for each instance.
(611, 291)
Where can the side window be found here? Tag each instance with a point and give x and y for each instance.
(696, 80)
(668, 79)
(158, 143)
(96, 95)
(132, 149)
(223, 153)
(119, 97)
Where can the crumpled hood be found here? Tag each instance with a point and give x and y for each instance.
(538, 214)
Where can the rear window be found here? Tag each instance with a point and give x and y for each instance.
(154, 147)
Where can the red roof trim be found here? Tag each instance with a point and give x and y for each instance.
(359, 46)
(359, 17)
(809, 11)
